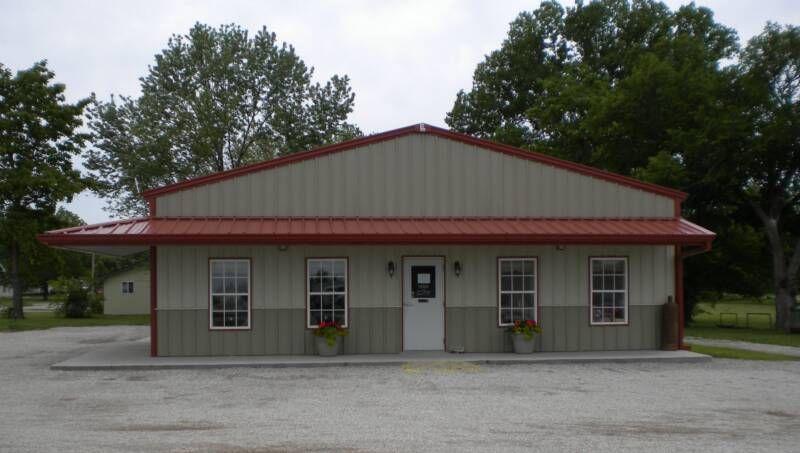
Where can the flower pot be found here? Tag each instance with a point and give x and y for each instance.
(523, 345)
(326, 350)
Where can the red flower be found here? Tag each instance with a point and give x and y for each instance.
(516, 323)
(530, 323)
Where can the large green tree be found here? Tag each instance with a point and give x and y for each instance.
(215, 99)
(636, 88)
(41, 264)
(766, 175)
(38, 139)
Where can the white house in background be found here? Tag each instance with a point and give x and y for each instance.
(5, 291)
(127, 292)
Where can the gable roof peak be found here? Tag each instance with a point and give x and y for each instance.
(420, 128)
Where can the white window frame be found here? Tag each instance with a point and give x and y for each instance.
(500, 290)
(593, 291)
(211, 294)
(125, 285)
(345, 293)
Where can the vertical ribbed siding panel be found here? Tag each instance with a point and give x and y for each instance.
(281, 187)
(241, 196)
(415, 176)
(508, 189)
(459, 184)
(283, 279)
(660, 271)
(377, 174)
(519, 202)
(173, 266)
(496, 176)
(322, 199)
(352, 197)
(297, 283)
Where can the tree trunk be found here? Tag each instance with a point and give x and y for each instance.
(45, 291)
(784, 300)
(16, 282)
(783, 272)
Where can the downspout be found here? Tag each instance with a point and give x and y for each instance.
(153, 289)
(679, 295)
(680, 255)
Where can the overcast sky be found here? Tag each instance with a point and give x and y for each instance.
(406, 60)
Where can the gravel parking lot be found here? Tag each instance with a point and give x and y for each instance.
(717, 406)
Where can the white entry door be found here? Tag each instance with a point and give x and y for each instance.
(423, 304)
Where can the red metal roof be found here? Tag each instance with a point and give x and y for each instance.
(420, 129)
(338, 230)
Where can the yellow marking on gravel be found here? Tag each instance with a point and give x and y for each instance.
(443, 367)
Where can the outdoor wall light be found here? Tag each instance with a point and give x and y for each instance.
(390, 268)
(457, 268)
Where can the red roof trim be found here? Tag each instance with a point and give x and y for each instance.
(303, 230)
(419, 129)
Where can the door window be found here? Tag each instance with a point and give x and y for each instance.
(423, 282)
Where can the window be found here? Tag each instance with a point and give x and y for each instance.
(327, 290)
(230, 293)
(609, 290)
(127, 287)
(517, 289)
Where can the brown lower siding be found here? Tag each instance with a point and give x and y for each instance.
(379, 330)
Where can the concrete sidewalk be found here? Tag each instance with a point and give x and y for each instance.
(135, 356)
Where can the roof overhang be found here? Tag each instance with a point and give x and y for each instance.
(136, 235)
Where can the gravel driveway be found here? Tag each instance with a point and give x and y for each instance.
(715, 406)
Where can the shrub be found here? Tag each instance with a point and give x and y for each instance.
(96, 305)
(75, 303)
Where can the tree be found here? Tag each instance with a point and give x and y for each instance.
(768, 174)
(635, 88)
(215, 99)
(41, 265)
(44, 264)
(38, 138)
(608, 83)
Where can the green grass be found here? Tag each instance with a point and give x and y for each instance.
(48, 320)
(26, 300)
(705, 323)
(740, 354)
(751, 335)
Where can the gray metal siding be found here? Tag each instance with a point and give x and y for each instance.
(278, 277)
(564, 329)
(273, 332)
(278, 298)
(378, 331)
(420, 176)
